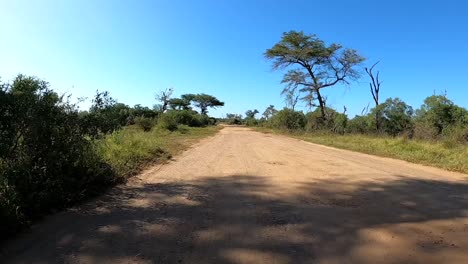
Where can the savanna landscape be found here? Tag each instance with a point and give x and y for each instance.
(171, 179)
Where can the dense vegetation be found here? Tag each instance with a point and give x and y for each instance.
(52, 155)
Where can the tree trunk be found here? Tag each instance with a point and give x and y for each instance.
(377, 117)
(321, 104)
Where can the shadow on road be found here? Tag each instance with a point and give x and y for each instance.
(244, 219)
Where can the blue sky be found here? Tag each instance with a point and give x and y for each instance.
(135, 48)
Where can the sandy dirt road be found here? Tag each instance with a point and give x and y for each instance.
(246, 197)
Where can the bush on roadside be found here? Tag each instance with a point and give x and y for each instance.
(288, 119)
(251, 122)
(46, 160)
(145, 123)
(172, 118)
(360, 125)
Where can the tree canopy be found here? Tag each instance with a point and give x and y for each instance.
(316, 65)
(205, 101)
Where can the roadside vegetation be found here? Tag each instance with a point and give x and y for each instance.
(52, 155)
(434, 134)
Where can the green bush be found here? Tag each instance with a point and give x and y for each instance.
(251, 122)
(456, 134)
(168, 121)
(46, 161)
(172, 118)
(145, 123)
(360, 124)
(288, 119)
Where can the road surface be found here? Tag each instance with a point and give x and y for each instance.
(246, 197)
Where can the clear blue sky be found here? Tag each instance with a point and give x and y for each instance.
(135, 48)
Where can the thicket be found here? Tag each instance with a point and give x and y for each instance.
(437, 119)
(53, 155)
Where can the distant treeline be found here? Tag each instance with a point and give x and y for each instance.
(437, 119)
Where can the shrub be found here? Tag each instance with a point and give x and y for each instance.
(360, 124)
(288, 119)
(46, 161)
(172, 118)
(144, 123)
(425, 131)
(456, 134)
(235, 121)
(251, 122)
(183, 129)
(314, 121)
(168, 121)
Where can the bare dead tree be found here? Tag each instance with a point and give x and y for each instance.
(365, 110)
(375, 89)
(291, 98)
(164, 97)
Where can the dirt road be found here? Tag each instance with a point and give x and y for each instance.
(247, 197)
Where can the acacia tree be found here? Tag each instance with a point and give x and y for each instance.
(251, 113)
(317, 65)
(179, 104)
(203, 101)
(375, 89)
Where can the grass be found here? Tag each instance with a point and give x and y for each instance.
(129, 150)
(453, 157)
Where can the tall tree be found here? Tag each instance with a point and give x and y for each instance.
(397, 116)
(164, 97)
(319, 65)
(375, 89)
(440, 112)
(251, 113)
(204, 101)
(269, 112)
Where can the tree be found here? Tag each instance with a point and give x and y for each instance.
(269, 112)
(164, 97)
(396, 116)
(319, 66)
(439, 112)
(251, 113)
(179, 104)
(182, 103)
(203, 101)
(375, 89)
(143, 111)
(292, 96)
(105, 115)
